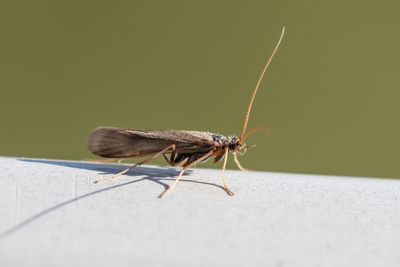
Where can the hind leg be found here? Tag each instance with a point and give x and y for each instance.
(135, 165)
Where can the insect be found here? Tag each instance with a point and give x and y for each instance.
(186, 148)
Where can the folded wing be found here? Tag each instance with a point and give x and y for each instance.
(112, 142)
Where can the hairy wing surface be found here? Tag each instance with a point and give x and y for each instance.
(112, 142)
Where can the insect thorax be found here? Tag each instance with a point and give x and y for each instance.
(221, 142)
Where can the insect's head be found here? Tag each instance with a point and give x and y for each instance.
(235, 144)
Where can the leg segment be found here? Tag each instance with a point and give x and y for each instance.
(238, 163)
(184, 169)
(137, 164)
(171, 160)
(105, 160)
(223, 173)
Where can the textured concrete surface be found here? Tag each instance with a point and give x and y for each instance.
(51, 214)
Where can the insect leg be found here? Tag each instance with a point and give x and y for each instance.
(238, 163)
(165, 157)
(184, 169)
(182, 163)
(137, 164)
(171, 160)
(104, 160)
(223, 173)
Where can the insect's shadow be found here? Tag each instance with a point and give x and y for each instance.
(146, 173)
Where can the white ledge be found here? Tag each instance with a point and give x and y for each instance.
(53, 215)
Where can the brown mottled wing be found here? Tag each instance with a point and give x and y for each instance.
(114, 142)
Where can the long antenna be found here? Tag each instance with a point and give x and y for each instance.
(258, 84)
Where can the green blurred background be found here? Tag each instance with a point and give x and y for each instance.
(330, 95)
